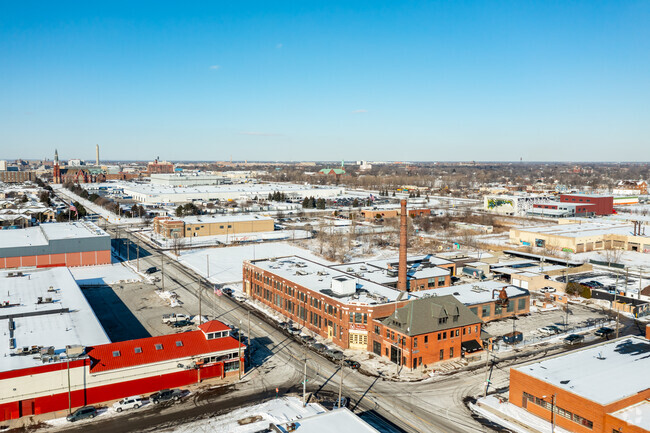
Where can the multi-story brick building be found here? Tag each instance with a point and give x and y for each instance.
(426, 331)
(603, 205)
(601, 388)
(331, 303)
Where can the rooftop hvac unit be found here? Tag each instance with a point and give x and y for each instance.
(344, 286)
(45, 359)
(12, 343)
(74, 350)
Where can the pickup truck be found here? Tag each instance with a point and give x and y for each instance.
(171, 318)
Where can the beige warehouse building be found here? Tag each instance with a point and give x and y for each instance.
(202, 225)
(580, 238)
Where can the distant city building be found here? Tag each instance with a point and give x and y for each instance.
(75, 163)
(17, 176)
(187, 179)
(631, 187)
(160, 167)
(602, 204)
(516, 205)
(3, 165)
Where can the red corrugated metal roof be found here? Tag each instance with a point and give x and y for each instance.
(156, 349)
(213, 326)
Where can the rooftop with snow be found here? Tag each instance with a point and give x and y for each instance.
(43, 234)
(603, 373)
(47, 309)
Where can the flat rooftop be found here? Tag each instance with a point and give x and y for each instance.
(66, 319)
(604, 373)
(206, 219)
(318, 278)
(41, 235)
(337, 420)
(637, 414)
(474, 293)
(581, 230)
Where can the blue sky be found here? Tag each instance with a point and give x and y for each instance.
(305, 80)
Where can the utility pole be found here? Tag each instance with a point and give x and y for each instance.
(200, 316)
(128, 248)
(69, 391)
(239, 360)
(304, 377)
(137, 254)
(638, 295)
(162, 269)
(207, 266)
(615, 302)
(340, 384)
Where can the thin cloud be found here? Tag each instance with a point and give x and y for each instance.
(260, 134)
(359, 111)
(215, 67)
(278, 46)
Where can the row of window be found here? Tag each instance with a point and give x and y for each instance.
(486, 310)
(558, 410)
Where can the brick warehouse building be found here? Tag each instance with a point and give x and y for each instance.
(112, 371)
(601, 388)
(55, 244)
(204, 225)
(427, 331)
(331, 303)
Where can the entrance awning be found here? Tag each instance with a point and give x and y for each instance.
(471, 346)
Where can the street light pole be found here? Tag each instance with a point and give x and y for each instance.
(162, 269)
(340, 384)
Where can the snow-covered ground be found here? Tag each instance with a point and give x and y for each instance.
(105, 274)
(512, 417)
(253, 418)
(226, 263)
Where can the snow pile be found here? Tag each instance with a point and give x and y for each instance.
(253, 418)
(170, 297)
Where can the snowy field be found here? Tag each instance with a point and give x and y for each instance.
(226, 263)
(253, 418)
(105, 274)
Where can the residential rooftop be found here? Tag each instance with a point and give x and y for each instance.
(603, 373)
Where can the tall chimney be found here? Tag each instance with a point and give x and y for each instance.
(97, 155)
(401, 275)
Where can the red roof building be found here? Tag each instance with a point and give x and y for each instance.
(112, 371)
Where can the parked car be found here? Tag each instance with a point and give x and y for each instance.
(171, 318)
(128, 403)
(573, 339)
(319, 347)
(334, 354)
(82, 413)
(227, 291)
(293, 331)
(180, 323)
(151, 270)
(604, 332)
(166, 395)
(352, 364)
(550, 330)
(547, 289)
(307, 339)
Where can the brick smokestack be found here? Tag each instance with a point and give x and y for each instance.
(401, 275)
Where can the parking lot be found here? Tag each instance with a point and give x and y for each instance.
(575, 316)
(131, 310)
